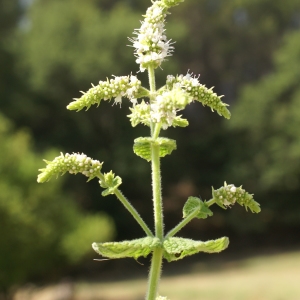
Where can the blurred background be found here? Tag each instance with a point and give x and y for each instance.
(249, 50)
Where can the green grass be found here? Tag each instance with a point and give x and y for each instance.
(274, 277)
(270, 277)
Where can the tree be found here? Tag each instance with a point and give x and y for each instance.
(41, 230)
(268, 117)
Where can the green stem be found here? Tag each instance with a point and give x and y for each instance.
(180, 225)
(133, 212)
(131, 209)
(151, 76)
(156, 262)
(187, 219)
(156, 130)
(210, 202)
(154, 274)
(156, 188)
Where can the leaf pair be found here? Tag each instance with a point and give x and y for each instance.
(142, 146)
(174, 248)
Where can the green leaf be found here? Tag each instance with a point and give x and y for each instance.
(194, 204)
(110, 183)
(142, 146)
(133, 248)
(177, 248)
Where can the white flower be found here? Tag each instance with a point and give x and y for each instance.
(151, 44)
(233, 189)
(118, 99)
(164, 108)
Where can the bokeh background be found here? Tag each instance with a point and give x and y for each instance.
(249, 50)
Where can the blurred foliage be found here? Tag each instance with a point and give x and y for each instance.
(268, 111)
(267, 120)
(41, 228)
(50, 50)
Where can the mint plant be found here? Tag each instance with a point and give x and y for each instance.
(159, 112)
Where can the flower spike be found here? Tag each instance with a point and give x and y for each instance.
(124, 86)
(229, 194)
(72, 163)
(151, 44)
(199, 92)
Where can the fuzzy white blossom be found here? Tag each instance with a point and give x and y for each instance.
(151, 44)
(118, 87)
(163, 110)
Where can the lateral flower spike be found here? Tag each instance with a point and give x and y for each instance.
(123, 86)
(199, 92)
(72, 163)
(110, 183)
(229, 194)
(151, 44)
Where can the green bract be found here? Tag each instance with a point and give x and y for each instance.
(142, 146)
(195, 205)
(110, 183)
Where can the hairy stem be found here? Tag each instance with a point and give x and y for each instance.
(180, 225)
(210, 202)
(131, 209)
(156, 187)
(151, 77)
(156, 130)
(154, 274)
(156, 262)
